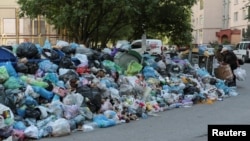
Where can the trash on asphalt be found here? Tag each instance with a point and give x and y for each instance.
(54, 91)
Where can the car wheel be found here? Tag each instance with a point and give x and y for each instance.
(243, 59)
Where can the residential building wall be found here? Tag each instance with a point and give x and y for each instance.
(206, 21)
(14, 30)
(238, 14)
(217, 16)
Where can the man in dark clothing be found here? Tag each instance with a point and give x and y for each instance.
(230, 58)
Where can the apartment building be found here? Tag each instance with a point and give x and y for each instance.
(14, 30)
(219, 21)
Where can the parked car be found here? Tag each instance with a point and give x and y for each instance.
(242, 51)
(229, 46)
(153, 46)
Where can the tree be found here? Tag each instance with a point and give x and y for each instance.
(246, 33)
(100, 21)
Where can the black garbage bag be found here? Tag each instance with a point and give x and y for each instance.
(106, 56)
(6, 132)
(66, 62)
(51, 54)
(71, 74)
(85, 91)
(68, 50)
(27, 68)
(190, 90)
(95, 104)
(33, 113)
(93, 94)
(32, 67)
(28, 50)
(11, 98)
(21, 67)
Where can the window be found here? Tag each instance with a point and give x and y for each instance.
(201, 19)
(200, 33)
(235, 16)
(9, 26)
(244, 14)
(201, 4)
(42, 27)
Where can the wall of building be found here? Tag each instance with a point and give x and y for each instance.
(235, 39)
(8, 3)
(218, 15)
(14, 30)
(209, 35)
(213, 13)
(240, 8)
(207, 21)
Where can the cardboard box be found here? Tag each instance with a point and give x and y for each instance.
(223, 72)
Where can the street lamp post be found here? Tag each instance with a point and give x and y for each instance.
(144, 38)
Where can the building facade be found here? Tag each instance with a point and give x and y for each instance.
(14, 30)
(219, 21)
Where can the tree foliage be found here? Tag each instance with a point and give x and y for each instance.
(100, 21)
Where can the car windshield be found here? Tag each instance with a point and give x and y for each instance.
(230, 47)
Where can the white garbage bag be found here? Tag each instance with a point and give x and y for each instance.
(6, 116)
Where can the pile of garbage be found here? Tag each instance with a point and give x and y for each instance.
(53, 91)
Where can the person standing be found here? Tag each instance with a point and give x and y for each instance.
(218, 54)
(228, 57)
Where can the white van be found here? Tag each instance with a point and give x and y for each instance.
(242, 50)
(153, 46)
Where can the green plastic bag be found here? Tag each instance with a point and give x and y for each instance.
(12, 83)
(112, 66)
(133, 68)
(3, 74)
(34, 82)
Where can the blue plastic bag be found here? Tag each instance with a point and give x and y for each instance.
(11, 71)
(103, 122)
(43, 92)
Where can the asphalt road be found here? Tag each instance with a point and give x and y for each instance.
(182, 124)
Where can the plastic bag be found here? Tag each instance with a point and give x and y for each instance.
(12, 83)
(31, 132)
(61, 43)
(28, 50)
(6, 116)
(11, 70)
(73, 99)
(47, 66)
(43, 92)
(240, 74)
(103, 122)
(60, 127)
(70, 111)
(34, 82)
(3, 74)
(133, 68)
